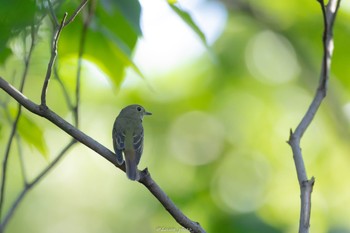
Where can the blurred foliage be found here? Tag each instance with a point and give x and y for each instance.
(216, 142)
(188, 19)
(31, 133)
(111, 38)
(11, 25)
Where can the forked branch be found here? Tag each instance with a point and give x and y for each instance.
(329, 13)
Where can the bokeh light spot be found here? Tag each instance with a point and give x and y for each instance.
(346, 109)
(240, 182)
(196, 138)
(271, 58)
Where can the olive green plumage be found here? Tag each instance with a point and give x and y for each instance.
(128, 138)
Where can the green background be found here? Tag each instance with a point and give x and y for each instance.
(216, 142)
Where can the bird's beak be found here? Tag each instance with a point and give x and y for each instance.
(148, 113)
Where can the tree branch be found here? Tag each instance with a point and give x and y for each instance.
(76, 12)
(52, 60)
(145, 179)
(329, 13)
(182, 219)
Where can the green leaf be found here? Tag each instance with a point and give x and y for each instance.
(31, 132)
(123, 50)
(120, 24)
(130, 9)
(186, 17)
(109, 58)
(4, 54)
(110, 41)
(15, 16)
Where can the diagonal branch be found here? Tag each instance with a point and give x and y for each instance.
(145, 179)
(76, 12)
(329, 12)
(182, 219)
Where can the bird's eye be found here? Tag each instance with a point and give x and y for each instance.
(139, 108)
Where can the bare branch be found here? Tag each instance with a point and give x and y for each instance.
(153, 187)
(145, 179)
(329, 13)
(52, 60)
(57, 33)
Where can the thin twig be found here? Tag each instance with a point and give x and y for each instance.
(52, 60)
(19, 143)
(21, 159)
(6, 157)
(52, 14)
(101, 150)
(76, 12)
(63, 87)
(306, 185)
(30, 185)
(87, 21)
(15, 123)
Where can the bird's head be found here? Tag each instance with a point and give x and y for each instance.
(134, 111)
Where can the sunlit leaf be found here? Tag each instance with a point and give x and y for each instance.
(124, 52)
(120, 24)
(130, 9)
(31, 132)
(109, 58)
(110, 40)
(187, 18)
(172, 1)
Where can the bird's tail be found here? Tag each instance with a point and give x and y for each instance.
(131, 166)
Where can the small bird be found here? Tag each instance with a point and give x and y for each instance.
(128, 138)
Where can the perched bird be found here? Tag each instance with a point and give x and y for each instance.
(128, 138)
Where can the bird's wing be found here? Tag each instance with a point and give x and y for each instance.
(118, 144)
(138, 143)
